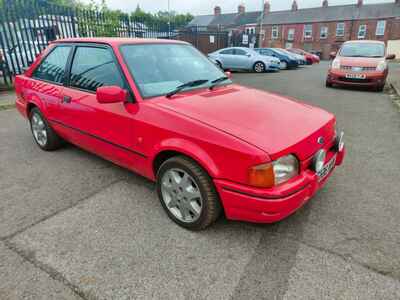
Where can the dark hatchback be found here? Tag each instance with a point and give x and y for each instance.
(287, 62)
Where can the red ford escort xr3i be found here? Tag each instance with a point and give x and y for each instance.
(162, 109)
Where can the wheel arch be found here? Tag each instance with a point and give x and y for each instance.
(176, 147)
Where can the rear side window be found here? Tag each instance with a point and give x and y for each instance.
(95, 67)
(227, 51)
(52, 68)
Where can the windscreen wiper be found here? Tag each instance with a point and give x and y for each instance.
(185, 85)
(218, 80)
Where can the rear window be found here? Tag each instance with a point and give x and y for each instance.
(52, 68)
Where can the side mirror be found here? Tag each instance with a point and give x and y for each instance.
(333, 54)
(111, 94)
(248, 54)
(228, 74)
(390, 56)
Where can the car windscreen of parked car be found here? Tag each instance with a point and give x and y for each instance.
(363, 50)
(160, 68)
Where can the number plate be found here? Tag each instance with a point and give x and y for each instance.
(327, 168)
(356, 76)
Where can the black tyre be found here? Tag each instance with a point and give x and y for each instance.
(328, 83)
(187, 193)
(380, 88)
(259, 67)
(43, 134)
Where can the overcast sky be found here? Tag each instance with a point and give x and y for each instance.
(201, 7)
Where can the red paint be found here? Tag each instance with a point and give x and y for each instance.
(311, 58)
(226, 130)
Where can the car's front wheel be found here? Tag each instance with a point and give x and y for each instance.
(42, 133)
(259, 67)
(187, 193)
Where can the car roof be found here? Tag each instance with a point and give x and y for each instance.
(119, 41)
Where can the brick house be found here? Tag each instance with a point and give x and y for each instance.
(322, 28)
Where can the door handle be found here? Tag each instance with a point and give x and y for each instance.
(66, 99)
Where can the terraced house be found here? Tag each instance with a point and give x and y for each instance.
(321, 29)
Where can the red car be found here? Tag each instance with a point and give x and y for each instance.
(310, 58)
(162, 109)
(360, 63)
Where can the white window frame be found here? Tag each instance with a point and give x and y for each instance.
(291, 34)
(362, 31)
(308, 31)
(250, 30)
(275, 32)
(380, 28)
(340, 27)
(323, 34)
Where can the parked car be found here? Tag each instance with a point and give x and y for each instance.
(300, 58)
(360, 63)
(241, 58)
(310, 58)
(162, 109)
(286, 61)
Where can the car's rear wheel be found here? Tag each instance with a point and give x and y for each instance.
(43, 134)
(187, 193)
(283, 65)
(259, 67)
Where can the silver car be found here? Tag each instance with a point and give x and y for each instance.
(241, 58)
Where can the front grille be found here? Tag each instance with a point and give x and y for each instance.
(363, 69)
(354, 80)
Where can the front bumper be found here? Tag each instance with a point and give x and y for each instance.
(270, 205)
(372, 79)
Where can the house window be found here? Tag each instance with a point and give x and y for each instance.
(324, 32)
(290, 34)
(250, 30)
(275, 32)
(340, 29)
(308, 31)
(380, 27)
(362, 31)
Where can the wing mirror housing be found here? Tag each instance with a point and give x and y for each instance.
(390, 56)
(111, 94)
(333, 54)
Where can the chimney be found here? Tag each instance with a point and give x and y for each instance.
(359, 3)
(241, 9)
(267, 7)
(217, 11)
(325, 3)
(294, 6)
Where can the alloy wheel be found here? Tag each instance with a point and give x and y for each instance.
(39, 129)
(259, 67)
(181, 195)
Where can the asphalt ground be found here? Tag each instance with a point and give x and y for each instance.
(73, 226)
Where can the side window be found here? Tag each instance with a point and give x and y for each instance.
(240, 52)
(227, 51)
(94, 67)
(52, 68)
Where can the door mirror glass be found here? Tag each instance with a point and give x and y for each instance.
(391, 56)
(111, 94)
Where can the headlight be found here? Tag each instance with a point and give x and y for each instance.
(336, 64)
(381, 66)
(277, 172)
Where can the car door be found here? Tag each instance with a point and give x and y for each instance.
(106, 129)
(242, 59)
(227, 58)
(46, 84)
